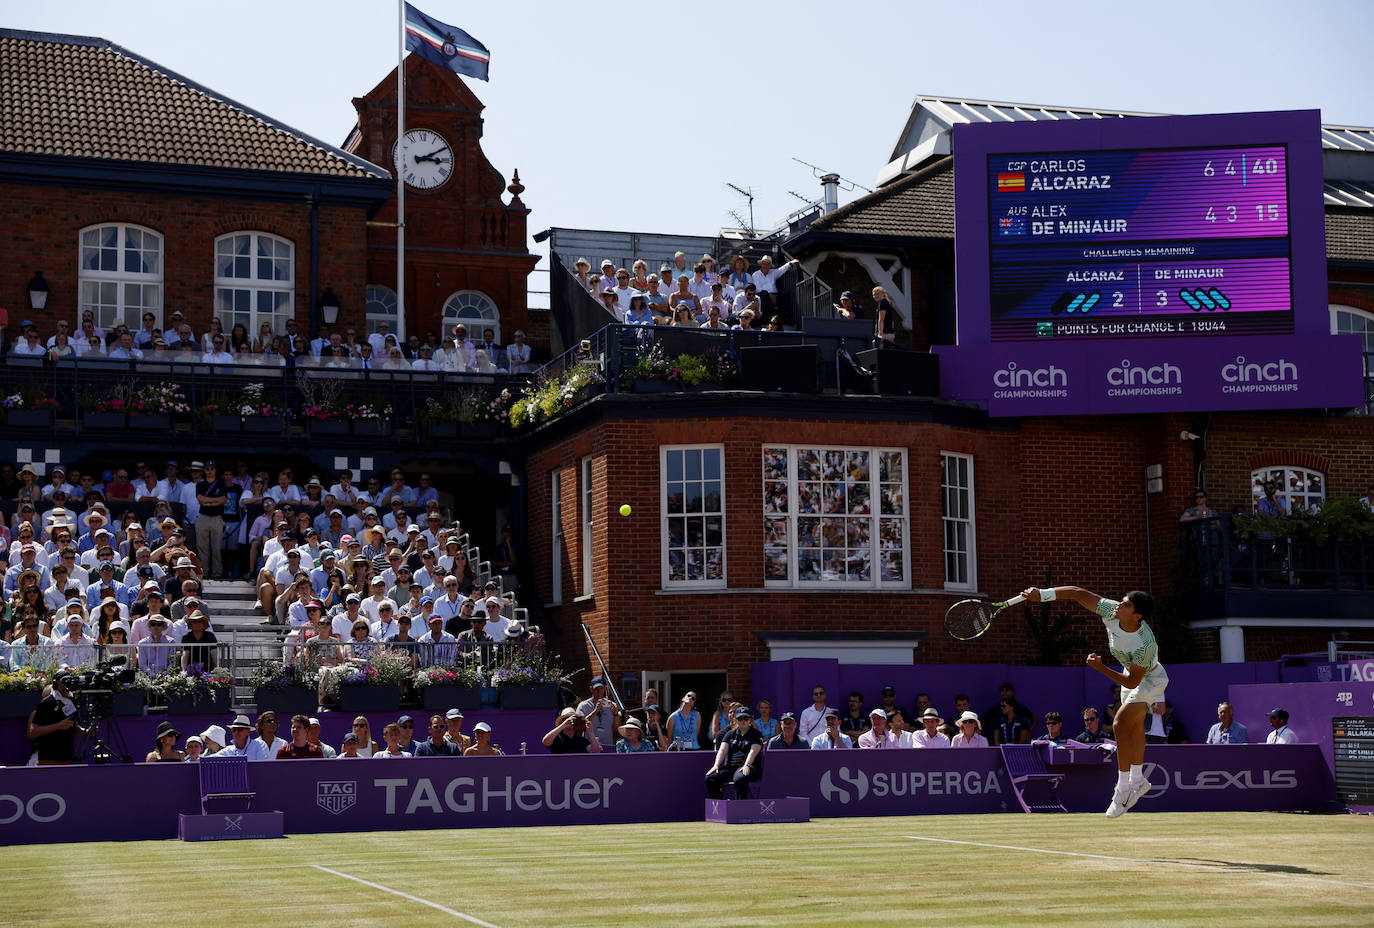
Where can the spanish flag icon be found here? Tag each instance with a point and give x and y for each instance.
(1011, 183)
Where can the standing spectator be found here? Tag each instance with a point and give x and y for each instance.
(1092, 728)
(737, 758)
(887, 317)
(518, 353)
(969, 735)
(437, 745)
(212, 495)
(572, 735)
(879, 736)
(787, 739)
(832, 738)
(684, 725)
(602, 714)
(1281, 734)
(765, 281)
(813, 717)
(721, 718)
(1227, 730)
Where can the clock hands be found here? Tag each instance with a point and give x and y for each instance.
(430, 157)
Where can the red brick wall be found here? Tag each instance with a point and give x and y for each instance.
(47, 221)
(1061, 495)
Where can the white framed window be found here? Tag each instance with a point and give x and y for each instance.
(381, 307)
(477, 311)
(1298, 487)
(835, 516)
(556, 534)
(120, 275)
(588, 524)
(692, 500)
(956, 511)
(1347, 320)
(255, 281)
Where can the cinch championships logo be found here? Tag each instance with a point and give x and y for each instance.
(1241, 376)
(1014, 382)
(1129, 379)
(336, 796)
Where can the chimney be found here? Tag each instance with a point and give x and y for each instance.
(830, 197)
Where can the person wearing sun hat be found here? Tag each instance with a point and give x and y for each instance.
(165, 745)
(632, 740)
(930, 736)
(970, 734)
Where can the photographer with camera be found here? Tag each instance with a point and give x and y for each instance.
(599, 710)
(572, 735)
(52, 725)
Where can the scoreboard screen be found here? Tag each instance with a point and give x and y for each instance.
(1140, 228)
(1110, 244)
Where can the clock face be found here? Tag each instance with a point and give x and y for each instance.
(428, 161)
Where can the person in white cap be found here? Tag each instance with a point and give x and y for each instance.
(195, 747)
(481, 744)
(75, 648)
(970, 734)
(879, 736)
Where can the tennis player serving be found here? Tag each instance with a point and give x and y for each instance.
(1142, 679)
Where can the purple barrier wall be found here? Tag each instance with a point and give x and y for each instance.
(1194, 689)
(59, 804)
(509, 728)
(1310, 706)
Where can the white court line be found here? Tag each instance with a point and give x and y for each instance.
(396, 892)
(1139, 860)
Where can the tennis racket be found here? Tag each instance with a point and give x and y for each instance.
(969, 618)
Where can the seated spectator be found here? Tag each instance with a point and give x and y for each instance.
(737, 758)
(764, 721)
(482, 746)
(572, 735)
(1092, 728)
(632, 740)
(1054, 729)
(164, 745)
(832, 738)
(787, 738)
(879, 736)
(156, 652)
(1227, 730)
(194, 748)
(1012, 728)
(240, 731)
(655, 726)
(930, 736)
(454, 720)
(992, 716)
(198, 644)
(969, 734)
(436, 745)
(1155, 732)
(393, 737)
(214, 738)
(1281, 734)
(348, 748)
(266, 746)
(889, 701)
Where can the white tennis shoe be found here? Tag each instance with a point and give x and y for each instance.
(1136, 792)
(1118, 805)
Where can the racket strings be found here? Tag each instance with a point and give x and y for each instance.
(968, 619)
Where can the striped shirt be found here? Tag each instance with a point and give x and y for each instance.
(1137, 647)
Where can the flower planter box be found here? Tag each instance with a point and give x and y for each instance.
(129, 702)
(264, 425)
(444, 430)
(30, 418)
(104, 420)
(440, 698)
(371, 427)
(17, 704)
(286, 701)
(482, 431)
(226, 423)
(151, 422)
(218, 704)
(369, 698)
(327, 426)
(535, 696)
(654, 385)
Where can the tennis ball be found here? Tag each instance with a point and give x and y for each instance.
(625, 509)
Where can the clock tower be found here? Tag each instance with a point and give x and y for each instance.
(466, 257)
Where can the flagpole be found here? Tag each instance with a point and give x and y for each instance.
(400, 174)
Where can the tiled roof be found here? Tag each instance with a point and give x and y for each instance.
(79, 97)
(920, 204)
(1350, 235)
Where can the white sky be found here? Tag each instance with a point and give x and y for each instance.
(632, 116)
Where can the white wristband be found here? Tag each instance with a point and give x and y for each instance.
(1047, 595)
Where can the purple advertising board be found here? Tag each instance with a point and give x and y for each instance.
(1188, 253)
(61, 804)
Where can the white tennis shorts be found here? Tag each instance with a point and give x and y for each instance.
(1150, 690)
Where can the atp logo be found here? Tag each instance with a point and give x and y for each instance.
(833, 792)
(336, 796)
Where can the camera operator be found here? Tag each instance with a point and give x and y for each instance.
(572, 735)
(52, 725)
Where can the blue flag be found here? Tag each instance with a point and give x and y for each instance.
(447, 46)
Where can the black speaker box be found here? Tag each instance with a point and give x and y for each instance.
(902, 373)
(785, 368)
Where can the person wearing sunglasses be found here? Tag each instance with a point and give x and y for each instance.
(813, 716)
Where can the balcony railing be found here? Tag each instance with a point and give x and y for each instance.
(1221, 559)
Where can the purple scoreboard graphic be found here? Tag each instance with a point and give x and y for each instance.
(1185, 238)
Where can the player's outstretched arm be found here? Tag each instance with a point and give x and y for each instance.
(1071, 593)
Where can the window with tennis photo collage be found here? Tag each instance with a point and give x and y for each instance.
(835, 516)
(693, 515)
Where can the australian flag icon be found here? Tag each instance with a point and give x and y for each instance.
(1012, 225)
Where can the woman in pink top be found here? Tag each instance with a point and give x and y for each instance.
(968, 736)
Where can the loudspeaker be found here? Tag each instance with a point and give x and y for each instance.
(786, 368)
(902, 373)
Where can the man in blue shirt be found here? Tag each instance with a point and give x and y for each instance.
(1227, 730)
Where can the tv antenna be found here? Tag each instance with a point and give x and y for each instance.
(748, 194)
(845, 183)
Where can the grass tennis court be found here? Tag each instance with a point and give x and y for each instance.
(1222, 869)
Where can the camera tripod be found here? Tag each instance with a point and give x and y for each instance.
(103, 736)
